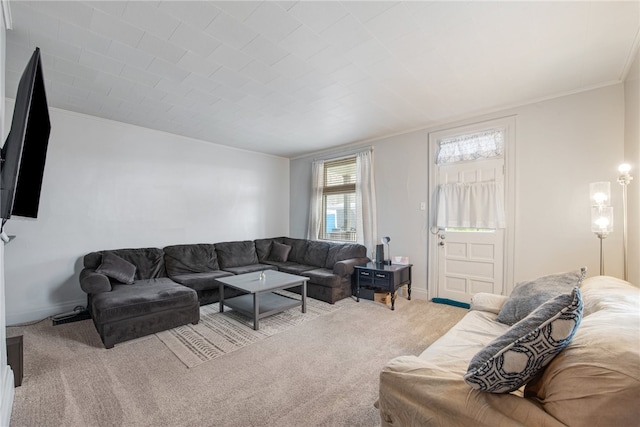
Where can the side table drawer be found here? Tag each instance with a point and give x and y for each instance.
(383, 276)
(365, 277)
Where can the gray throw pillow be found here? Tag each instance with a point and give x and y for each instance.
(527, 296)
(521, 353)
(279, 252)
(117, 268)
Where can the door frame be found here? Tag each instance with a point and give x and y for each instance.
(508, 123)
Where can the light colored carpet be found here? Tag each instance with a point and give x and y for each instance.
(323, 372)
(220, 333)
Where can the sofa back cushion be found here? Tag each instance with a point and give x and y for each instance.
(596, 379)
(608, 293)
(298, 249)
(316, 253)
(236, 254)
(263, 247)
(149, 262)
(341, 251)
(187, 259)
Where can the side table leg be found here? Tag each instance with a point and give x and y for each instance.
(393, 300)
(358, 289)
(409, 291)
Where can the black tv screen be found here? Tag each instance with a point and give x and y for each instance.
(25, 149)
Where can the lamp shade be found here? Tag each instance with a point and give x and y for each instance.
(624, 168)
(602, 219)
(600, 193)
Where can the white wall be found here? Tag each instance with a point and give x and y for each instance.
(6, 374)
(632, 156)
(109, 185)
(562, 145)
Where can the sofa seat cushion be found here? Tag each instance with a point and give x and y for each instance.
(323, 277)
(415, 392)
(194, 258)
(249, 268)
(294, 268)
(141, 298)
(458, 345)
(201, 281)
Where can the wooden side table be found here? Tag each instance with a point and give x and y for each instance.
(385, 277)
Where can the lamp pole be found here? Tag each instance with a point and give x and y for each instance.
(601, 236)
(624, 180)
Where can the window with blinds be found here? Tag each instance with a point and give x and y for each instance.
(339, 200)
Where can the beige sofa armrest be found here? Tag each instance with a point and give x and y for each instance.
(483, 301)
(414, 392)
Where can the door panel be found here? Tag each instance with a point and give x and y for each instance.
(469, 261)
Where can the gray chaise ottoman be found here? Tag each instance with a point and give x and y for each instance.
(149, 302)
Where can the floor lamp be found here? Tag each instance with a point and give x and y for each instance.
(624, 179)
(601, 214)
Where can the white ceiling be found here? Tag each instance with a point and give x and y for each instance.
(292, 77)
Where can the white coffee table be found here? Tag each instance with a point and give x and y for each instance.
(260, 300)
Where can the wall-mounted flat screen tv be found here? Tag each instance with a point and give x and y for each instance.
(25, 149)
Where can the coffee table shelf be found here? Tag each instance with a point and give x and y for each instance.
(260, 300)
(269, 303)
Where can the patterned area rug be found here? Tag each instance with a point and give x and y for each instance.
(221, 333)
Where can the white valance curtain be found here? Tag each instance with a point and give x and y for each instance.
(479, 145)
(471, 205)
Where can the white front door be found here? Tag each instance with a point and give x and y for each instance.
(463, 262)
(470, 261)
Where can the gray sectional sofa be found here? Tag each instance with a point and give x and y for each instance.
(137, 292)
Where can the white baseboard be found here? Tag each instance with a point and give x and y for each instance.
(43, 313)
(416, 293)
(419, 294)
(6, 399)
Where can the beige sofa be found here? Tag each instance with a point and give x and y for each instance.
(594, 381)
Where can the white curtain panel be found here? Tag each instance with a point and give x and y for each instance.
(315, 208)
(471, 205)
(366, 231)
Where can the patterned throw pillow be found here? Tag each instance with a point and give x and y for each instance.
(117, 268)
(516, 357)
(529, 295)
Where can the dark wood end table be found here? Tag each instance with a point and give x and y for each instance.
(385, 277)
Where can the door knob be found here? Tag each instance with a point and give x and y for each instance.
(441, 243)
